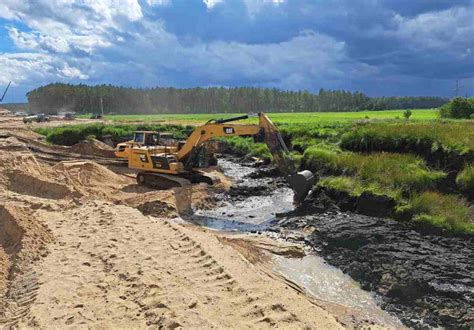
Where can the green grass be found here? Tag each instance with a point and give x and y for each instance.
(465, 179)
(395, 172)
(305, 117)
(447, 136)
(445, 211)
(72, 134)
(246, 146)
(352, 185)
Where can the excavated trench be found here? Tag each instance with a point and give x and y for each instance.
(422, 279)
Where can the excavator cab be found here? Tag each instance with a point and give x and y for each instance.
(148, 139)
(145, 138)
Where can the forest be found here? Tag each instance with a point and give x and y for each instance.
(122, 100)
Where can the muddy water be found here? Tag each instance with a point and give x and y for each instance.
(426, 280)
(248, 207)
(334, 289)
(253, 209)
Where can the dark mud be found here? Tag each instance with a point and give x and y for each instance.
(423, 278)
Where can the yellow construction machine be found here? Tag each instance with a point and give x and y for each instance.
(166, 166)
(143, 139)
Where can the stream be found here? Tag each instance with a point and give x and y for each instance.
(377, 270)
(251, 208)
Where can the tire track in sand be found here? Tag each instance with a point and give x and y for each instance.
(113, 267)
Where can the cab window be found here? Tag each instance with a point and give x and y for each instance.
(138, 137)
(152, 139)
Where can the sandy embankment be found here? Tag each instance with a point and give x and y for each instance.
(77, 250)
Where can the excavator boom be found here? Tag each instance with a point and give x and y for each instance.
(300, 182)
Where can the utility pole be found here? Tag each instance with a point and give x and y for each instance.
(5, 92)
(456, 89)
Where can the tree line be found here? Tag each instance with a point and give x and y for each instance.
(123, 100)
(459, 107)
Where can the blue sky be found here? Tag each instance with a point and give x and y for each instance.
(398, 47)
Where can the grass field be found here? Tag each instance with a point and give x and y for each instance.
(296, 118)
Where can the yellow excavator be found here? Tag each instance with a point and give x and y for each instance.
(165, 166)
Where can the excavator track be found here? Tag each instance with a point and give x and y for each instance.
(161, 181)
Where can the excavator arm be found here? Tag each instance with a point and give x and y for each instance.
(300, 182)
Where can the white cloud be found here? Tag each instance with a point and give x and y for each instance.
(447, 30)
(295, 63)
(211, 3)
(255, 6)
(24, 67)
(23, 40)
(158, 2)
(71, 72)
(146, 50)
(62, 26)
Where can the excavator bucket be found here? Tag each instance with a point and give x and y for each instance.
(301, 183)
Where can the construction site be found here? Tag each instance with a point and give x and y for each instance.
(83, 244)
(86, 242)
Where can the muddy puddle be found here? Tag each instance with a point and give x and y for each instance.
(248, 207)
(375, 268)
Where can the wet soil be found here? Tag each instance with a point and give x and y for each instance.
(423, 278)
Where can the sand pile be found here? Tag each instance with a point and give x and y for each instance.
(92, 179)
(23, 174)
(22, 240)
(23, 160)
(93, 147)
(27, 184)
(158, 208)
(18, 160)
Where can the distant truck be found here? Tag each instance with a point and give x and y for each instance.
(39, 118)
(69, 116)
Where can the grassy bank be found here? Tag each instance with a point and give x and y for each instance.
(444, 143)
(388, 170)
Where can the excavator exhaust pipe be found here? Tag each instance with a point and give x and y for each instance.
(301, 183)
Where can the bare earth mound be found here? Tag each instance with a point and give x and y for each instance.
(27, 184)
(93, 147)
